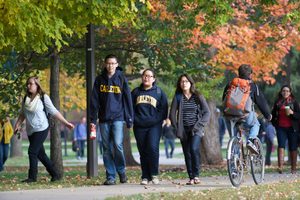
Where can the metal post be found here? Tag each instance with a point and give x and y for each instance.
(92, 159)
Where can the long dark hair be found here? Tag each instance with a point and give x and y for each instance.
(191, 80)
(280, 99)
(37, 82)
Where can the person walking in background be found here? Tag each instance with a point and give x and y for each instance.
(80, 137)
(168, 137)
(189, 114)
(6, 132)
(150, 109)
(286, 115)
(222, 126)
(111, 102)
(35, 108)
(270, 134)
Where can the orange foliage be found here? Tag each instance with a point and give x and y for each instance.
(243, 41)
(159, 8)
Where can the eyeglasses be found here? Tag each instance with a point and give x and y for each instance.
(185, 81)
(111, 63)
(147, 76)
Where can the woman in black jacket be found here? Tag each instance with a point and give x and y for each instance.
(286, 115)
(189, 114)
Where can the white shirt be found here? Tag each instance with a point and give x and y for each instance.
(37, 120)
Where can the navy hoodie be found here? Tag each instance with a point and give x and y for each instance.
(150, 106)
(111, 99)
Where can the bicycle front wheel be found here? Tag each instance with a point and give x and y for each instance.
(234, 162)
(258, 163)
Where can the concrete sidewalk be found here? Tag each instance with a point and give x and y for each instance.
(163, 160)
(102, 192)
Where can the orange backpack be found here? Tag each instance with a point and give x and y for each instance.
(238, 102)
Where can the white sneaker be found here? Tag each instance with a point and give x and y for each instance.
(155, 180)
(144, 181)
(252, 147)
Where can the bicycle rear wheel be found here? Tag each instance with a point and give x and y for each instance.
(234, 162)
(258, 163)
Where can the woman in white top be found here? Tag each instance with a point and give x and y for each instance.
(34, 108)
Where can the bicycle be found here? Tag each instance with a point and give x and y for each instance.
(239, 158)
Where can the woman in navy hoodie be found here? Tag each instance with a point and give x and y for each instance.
(150, 109)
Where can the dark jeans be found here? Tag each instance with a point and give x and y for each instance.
(288, 134)
(269, 144)
(81, 146)
(171, 143)
(191, 151)
(3, 153)
(147, 140)
(36, 151)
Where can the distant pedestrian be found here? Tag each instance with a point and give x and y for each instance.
(168, 136)
(80, 137)
(269, 140)
(150, 109)
(221, 126)
(111, 102)
(189, 114)
(35, 109)
(6, 132)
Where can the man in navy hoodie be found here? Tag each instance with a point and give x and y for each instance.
(111, 102)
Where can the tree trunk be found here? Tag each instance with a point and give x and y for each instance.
(210, 146)
(127, 149)
(16, 145)
(55, 140)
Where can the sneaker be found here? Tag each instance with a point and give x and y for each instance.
(29, 180)
(123, 178)
(109, 182)
(196, 180)
(55, 178)
(155, 180)
(251, 147)
(144, 181)
(191, 182)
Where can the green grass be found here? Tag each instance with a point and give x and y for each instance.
(76, 176)
(282, 190)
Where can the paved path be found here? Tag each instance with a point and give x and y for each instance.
(102, 192)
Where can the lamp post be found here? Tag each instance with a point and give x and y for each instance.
(92, 159)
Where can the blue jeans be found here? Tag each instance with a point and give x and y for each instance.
(113, 153)
(191, 151)
(252, 123)
(3, 153)
(287, 134)
(171, 143)
(147, 140)
(81, 146)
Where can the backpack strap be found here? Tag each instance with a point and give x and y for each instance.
(45, 110)
(43, 101)
(158, 91)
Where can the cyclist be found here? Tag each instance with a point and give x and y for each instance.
(251, 121)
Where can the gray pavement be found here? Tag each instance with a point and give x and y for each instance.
(102, 192)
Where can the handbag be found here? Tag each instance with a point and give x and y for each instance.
(75, 147)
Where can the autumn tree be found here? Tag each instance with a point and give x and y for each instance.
(44, 27)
